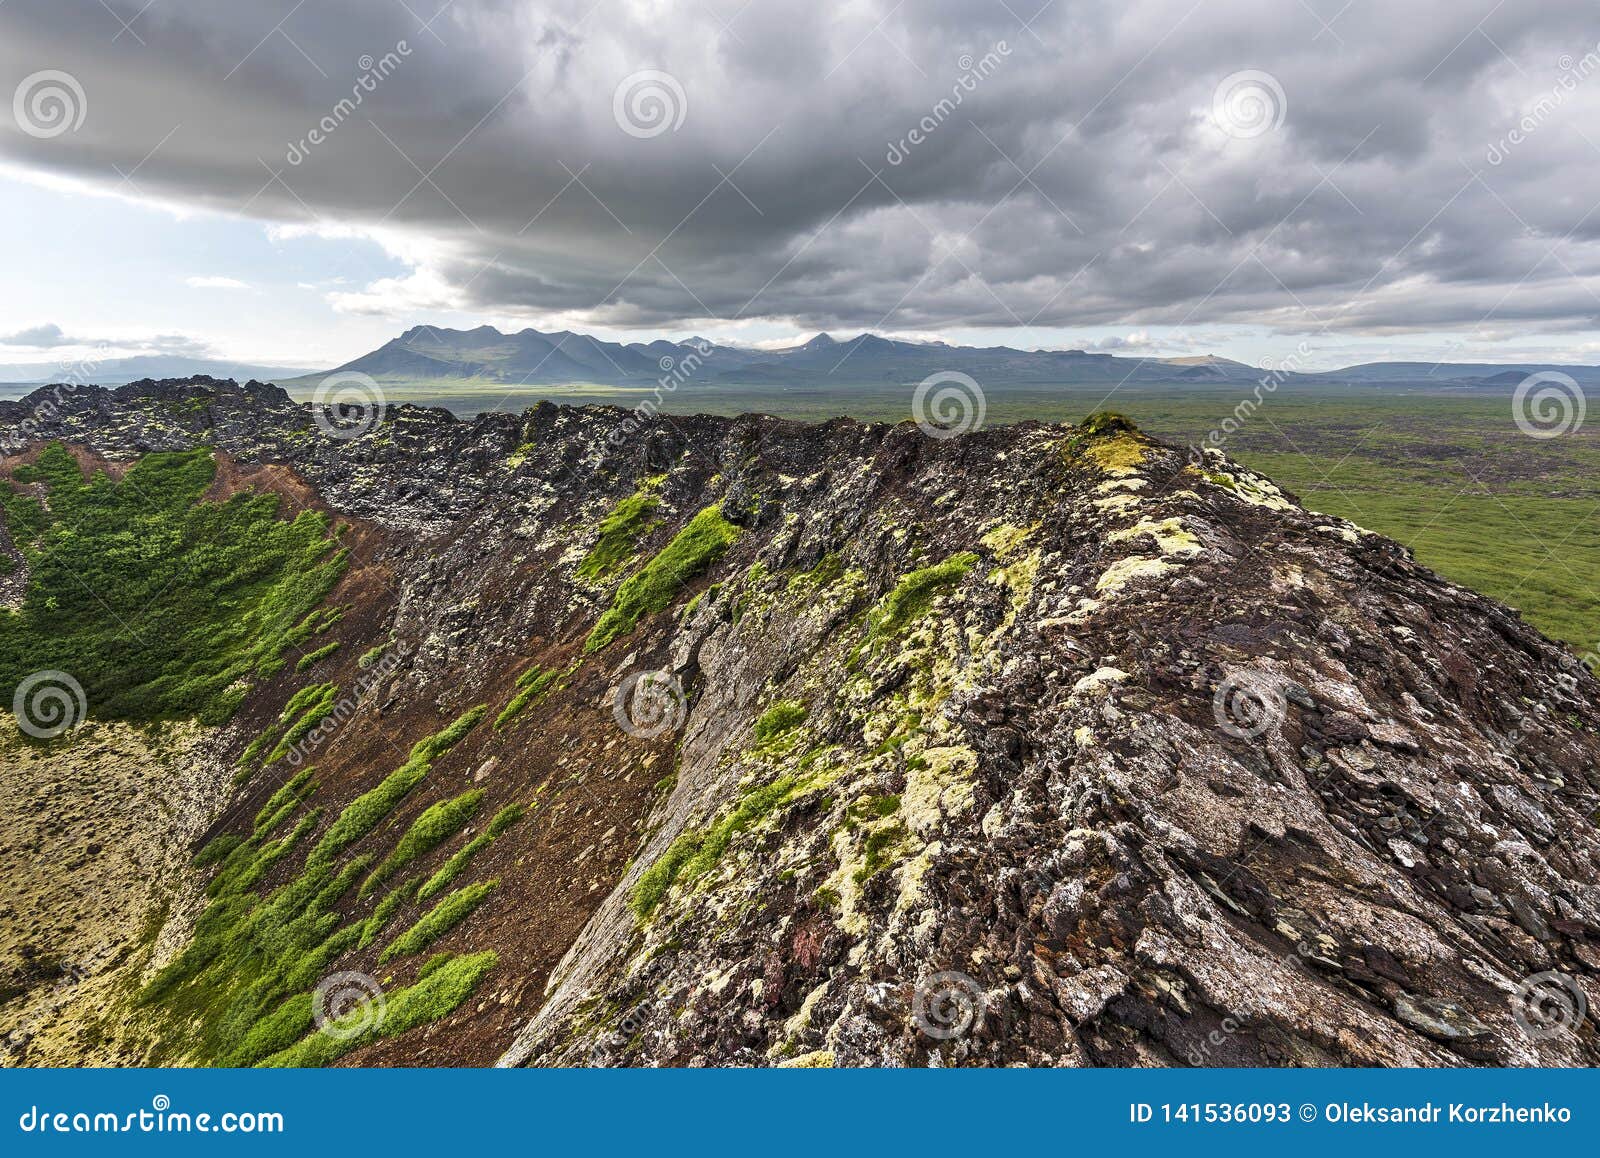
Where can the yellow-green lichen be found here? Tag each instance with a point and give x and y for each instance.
(816, 1059)
(1111, 442)
(697, 851)
(1005, 539)
(1125, 571)
(938, 784)
(1169, 535)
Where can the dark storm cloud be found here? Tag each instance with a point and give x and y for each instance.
(1429, 164)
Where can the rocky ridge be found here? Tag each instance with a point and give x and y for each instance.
(1040, 745)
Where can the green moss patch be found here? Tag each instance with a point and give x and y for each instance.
(307, 708)
(778, 720)
(459, 860)
(445, 987)
(276, 1031)
(284, 801)
(386, 911)
(217, 849)
(913, 597)
(620, 532)
(828, 571)
(311, 658)
(533, 685)
(369, 657)
(366, 811)
(697, 852)
(695, 548)
(158, 602)
(239, 990)
(436, 825)
(438, 921)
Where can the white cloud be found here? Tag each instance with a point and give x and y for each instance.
(46, 337)
(49, 336)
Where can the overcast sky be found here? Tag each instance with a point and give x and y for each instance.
(1411, 178)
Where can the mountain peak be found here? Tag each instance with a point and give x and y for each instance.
(566, 357)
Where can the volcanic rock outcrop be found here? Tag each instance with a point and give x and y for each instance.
(767, 743)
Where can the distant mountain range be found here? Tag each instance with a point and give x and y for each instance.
(429, 354)
(120, 371)
(433, 356)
